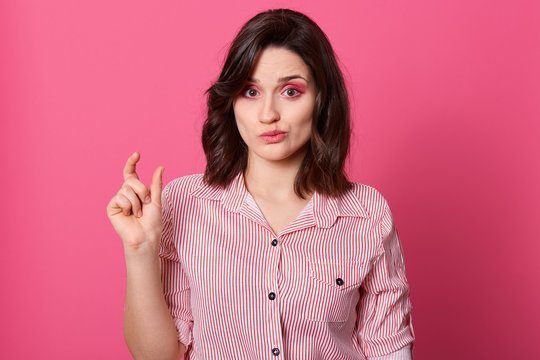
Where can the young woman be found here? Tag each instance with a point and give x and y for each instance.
(271, 253)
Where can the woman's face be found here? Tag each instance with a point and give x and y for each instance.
(274, 111)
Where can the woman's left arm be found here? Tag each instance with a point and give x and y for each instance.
(384, 328)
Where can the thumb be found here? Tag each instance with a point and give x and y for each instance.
(157, 185)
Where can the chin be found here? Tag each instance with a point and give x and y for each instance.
(279, 156)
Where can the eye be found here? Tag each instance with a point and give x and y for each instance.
(290, 92)
(250, 92)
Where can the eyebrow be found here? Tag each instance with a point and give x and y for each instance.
(282, 79)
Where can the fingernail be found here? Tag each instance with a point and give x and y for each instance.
(139, 214)
(147, 199)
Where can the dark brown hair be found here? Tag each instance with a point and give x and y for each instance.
(226, 153)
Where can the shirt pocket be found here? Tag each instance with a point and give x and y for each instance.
(333, 287)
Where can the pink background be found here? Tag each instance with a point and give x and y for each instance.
(446, 112)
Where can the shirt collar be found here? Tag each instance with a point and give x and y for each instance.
(326, 209)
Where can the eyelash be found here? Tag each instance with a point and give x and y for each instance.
(251, 97)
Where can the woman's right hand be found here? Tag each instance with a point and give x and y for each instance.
(135, 211)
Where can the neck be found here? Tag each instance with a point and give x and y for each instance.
(272, 179)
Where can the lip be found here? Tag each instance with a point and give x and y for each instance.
(273, 132)
(273, 136)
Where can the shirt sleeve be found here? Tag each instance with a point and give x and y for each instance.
(175, 282)
(384, 328)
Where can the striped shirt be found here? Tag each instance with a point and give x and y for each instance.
(330, 285)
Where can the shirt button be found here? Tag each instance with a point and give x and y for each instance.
(275, 351)
(274, 242)
(272, 296)
(339, 281)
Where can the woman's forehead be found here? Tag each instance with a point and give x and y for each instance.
(279, 65)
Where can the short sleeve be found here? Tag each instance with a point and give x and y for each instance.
(384, 328)
(174, 280)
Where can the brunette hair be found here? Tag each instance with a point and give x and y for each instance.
(226, 153)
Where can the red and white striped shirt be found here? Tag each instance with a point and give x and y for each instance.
(331, 285)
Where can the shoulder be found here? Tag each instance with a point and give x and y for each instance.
(182, 187)
(377, 207)
(371, 199)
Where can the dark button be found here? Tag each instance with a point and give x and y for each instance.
(271, 296)
(339, 281)
(275, 351)
(274, 242)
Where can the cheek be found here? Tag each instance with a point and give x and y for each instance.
(307, 124)
(304, 112)
(306, 130)
(241, 125)
(238, 115)
(241, 129)
(304, 119)
(302, 131)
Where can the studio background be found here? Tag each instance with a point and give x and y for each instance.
(446, 120)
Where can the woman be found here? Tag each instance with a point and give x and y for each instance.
(272, 252)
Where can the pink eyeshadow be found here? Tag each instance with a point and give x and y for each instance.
(298, 86)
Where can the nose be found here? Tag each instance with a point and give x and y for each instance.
(269, 112)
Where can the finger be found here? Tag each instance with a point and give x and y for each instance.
(133, 199)
(129, 168)
(140, 189)
(114, 207)
(123, 204)
(157, 185)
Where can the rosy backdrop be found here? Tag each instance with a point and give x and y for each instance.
(446, 112)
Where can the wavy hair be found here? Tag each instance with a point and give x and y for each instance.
(322, 168)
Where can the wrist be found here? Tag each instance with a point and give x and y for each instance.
(142, 252)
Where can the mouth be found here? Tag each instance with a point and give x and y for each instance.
(273, 136)
(272, 133)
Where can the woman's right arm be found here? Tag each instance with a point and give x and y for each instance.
(135, 213)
